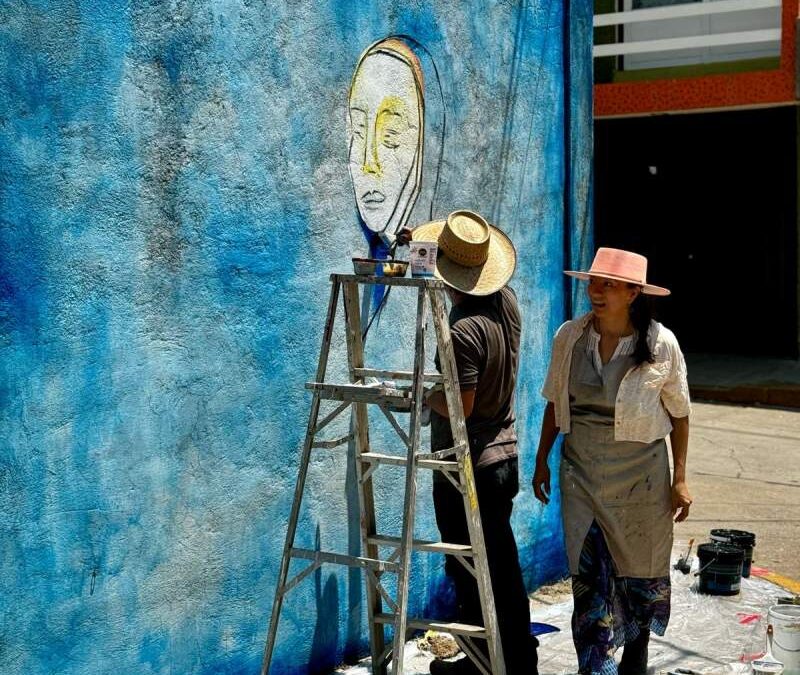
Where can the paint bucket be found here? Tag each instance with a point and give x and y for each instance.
(720, 568)
(785, 622)
(744, 540)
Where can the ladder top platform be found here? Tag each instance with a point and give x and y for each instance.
(418, 282)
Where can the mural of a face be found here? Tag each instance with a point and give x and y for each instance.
(385, 128)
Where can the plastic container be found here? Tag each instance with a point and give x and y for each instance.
(422, 255)
(744, 540)
(379, 267)
(785, 622)
(720, 568)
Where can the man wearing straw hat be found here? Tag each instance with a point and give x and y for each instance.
(476, 261)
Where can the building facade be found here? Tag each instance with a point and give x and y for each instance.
(696, 151)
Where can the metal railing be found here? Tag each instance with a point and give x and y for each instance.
(673, 30)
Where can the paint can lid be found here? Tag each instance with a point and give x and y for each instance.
(738, 537)
(722, 552)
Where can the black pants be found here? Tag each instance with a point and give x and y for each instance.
(496, 485)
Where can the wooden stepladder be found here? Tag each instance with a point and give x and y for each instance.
(455, 463)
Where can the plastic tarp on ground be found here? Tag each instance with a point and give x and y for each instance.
(707, 634)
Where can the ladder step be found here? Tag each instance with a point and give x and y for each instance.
(396, 374)
(396, 399)
(441, 626)
(378, 458)
(333, 443)
(397, 460)
(423, 545)
(342, 559)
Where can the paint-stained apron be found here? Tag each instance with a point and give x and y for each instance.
(623, 485)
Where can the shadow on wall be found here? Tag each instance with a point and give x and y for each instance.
(325, 641)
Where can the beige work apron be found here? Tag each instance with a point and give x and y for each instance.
(623, 485)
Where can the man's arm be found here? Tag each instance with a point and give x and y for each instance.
(438, 402)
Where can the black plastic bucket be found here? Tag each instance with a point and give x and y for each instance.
(720, 568)
(744, 540)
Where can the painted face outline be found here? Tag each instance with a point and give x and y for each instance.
(386, 123)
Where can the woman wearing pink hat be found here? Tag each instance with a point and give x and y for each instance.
(616, 387)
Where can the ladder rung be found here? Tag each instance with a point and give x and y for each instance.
(397, 460)
(441, 454)
(342, 559)
(396, 374)
(334, 442)
(378, 458)
(440, 626)
(423, 545)
(396, 399)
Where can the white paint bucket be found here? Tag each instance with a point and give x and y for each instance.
(785, 622)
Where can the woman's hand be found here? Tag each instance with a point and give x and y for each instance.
(541, 482)
(681, 501)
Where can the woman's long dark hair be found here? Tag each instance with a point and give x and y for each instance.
(641, 316)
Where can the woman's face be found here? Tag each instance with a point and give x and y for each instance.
(611, 298)
(384, 138)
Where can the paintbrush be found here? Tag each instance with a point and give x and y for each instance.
(684, 563)
(767, 664)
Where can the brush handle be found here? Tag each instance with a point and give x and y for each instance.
(770, 632)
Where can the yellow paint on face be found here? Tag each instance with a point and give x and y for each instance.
(391, 122)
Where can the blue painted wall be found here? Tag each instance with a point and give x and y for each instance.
(173, 194)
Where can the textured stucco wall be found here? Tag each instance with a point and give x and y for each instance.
(173, 194)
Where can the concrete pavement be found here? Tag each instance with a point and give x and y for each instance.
(744, 473)
(743, 379)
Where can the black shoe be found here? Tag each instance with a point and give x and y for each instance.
(634, 655)
(463, 666)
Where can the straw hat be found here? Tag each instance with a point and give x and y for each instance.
(474, 257)
(614, 263)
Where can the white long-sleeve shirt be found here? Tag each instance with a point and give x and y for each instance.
(647, 395)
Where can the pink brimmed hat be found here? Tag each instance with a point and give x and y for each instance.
(614, 263)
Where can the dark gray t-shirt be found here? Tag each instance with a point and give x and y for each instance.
(486, 333)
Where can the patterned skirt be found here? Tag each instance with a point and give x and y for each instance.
(610, 610)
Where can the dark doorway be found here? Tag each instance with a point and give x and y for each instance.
(711, 200)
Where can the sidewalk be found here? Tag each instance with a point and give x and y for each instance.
(712, 635)
(743, 379)
(744, 473)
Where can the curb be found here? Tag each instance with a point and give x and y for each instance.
(774, 395)
(784, 582)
